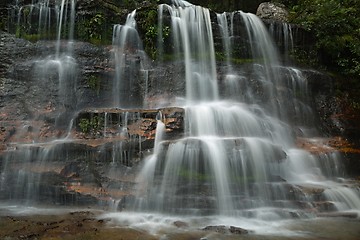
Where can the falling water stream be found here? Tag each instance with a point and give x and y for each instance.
(237, 162)
(238, 159)
(60, 66)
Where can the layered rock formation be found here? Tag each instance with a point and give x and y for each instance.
(82, 171)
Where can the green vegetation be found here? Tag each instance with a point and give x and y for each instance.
(220, 56)
(95, 27)
(94, 83)
(336, 26)
(229, 5)
(147, 24)
(91, 125)
(95, 30)
(29, 37)
(194, 175)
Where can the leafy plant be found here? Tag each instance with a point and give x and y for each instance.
(84, 125)
(96, 24)
(336, 26)
(94, 29)
(91, 125)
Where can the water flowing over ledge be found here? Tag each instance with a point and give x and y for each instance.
(231, 145)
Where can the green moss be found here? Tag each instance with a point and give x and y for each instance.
(241, 60)
(193, 175)
(32, 37)
(220, 56)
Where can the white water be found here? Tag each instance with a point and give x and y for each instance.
(51, 20)
(192, 38)
(129, 60)
(59, 68)
(238, 157)
(227, 34)
(125, 38)
(160, 225)
(283, 35)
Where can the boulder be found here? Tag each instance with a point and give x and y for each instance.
(272, 11)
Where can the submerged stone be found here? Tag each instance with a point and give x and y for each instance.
(225, 230)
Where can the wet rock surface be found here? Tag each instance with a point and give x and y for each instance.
(223, 229)
(73, 225)
(90, 224)
(83, 179)
(78, 171)
(83, 171)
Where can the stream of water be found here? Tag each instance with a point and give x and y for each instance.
(239, 156)
(237, 162)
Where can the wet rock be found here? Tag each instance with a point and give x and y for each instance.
(315, 145)
(224, 229)
(219, 229)
(237, 230)
(339, 215)
(180, 224)
(132, 122)
(324, 206)
(352, 163)
(311, 190)
(125, 202)
(74, 225)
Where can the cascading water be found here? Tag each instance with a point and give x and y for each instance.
(227, 34)
(239, 156)
(48, 20)
(60, 67)
(128, 59)
(283, 35)
(125, 38)
(192, 36)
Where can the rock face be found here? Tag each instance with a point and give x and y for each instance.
(272, 11)
(105, 142)
(33, 118)
(93, 166)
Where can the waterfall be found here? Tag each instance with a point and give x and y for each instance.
(60, 67)
(283, 36)
(238, 156)
(128, 59)
(227, 33)
(65, 21)
(192, 38)
(231, 148)
(146, 176)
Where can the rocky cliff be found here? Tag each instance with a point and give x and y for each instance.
(31, 112)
